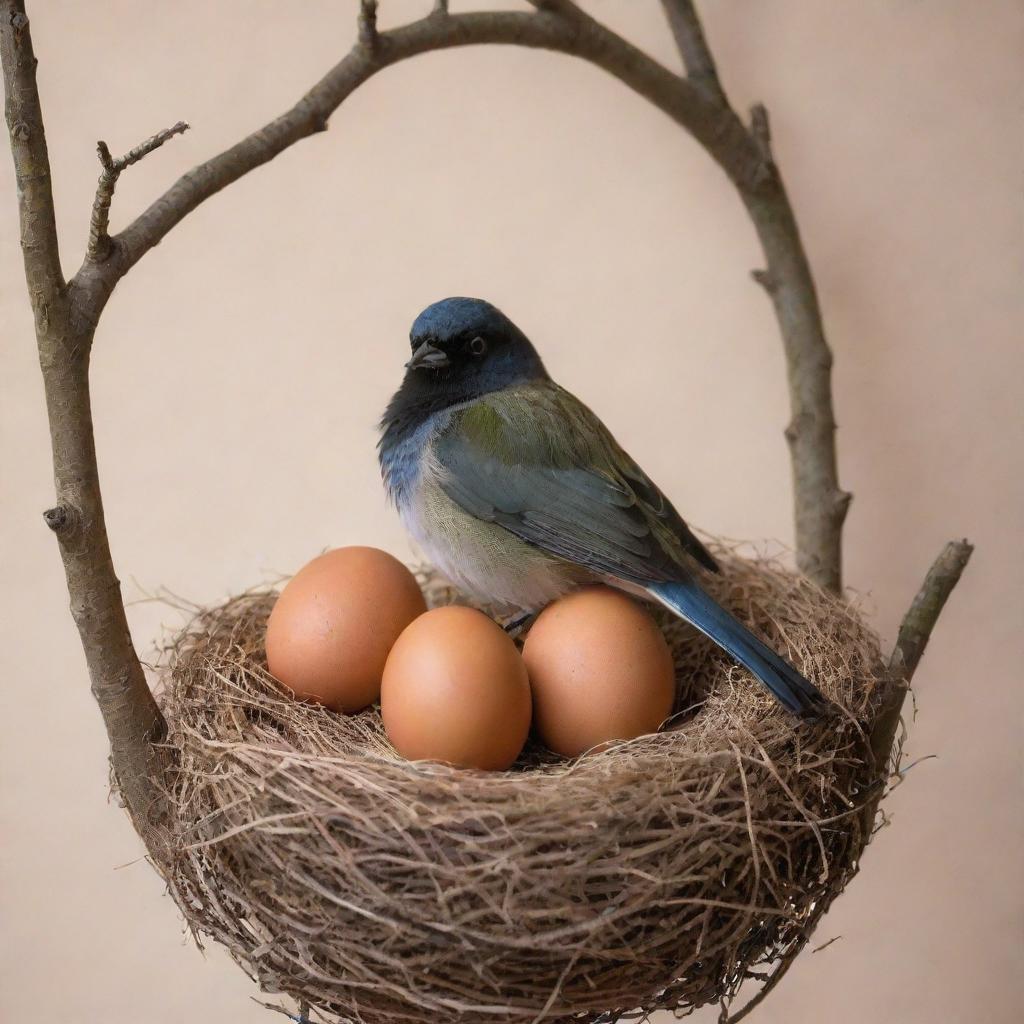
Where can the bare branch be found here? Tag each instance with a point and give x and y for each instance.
(915, 631)
(440, 6)
(693, 47)
(99, 241)
(31, 160)
(129, 712)
(566, 30)
(926, 608)
(820, 504)
(367, 22)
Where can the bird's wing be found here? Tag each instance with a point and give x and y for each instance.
(538, 462)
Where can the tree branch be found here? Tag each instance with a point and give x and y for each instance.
(556, 25)
(820, 504)
(915, 631)
(129, 712)
(24, 118)
(693, 48)
(99, 240)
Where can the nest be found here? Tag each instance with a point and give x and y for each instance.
(658, 873)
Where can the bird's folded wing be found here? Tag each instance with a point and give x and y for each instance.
(559, 482)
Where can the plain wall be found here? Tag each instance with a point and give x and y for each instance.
(240, 368)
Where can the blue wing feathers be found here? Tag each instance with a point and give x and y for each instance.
(790, 688)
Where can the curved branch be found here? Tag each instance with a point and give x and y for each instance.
(130, 714)
(560, 27)
(820, 504)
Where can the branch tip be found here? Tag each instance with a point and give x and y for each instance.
(103, 152)
(765, 279)
(924, 611)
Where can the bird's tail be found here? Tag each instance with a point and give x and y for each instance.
(789, 687)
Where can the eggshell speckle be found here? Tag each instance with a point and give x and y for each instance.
(331, 630)
(455, 690)
(600, 670)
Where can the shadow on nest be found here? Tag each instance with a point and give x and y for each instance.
(659, 873)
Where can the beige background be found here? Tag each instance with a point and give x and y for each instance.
(240, 368)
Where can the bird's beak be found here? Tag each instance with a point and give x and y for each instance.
(428, 357)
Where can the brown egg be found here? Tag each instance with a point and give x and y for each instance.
(599, 669)
(455, 690)
(335, 622)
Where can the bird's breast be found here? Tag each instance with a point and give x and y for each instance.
(482, 559)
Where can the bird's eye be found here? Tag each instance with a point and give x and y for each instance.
(478, 346)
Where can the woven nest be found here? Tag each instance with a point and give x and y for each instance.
(657, 873)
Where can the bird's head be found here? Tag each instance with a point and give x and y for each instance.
(467, 347)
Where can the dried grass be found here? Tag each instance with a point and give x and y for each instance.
(658, 873)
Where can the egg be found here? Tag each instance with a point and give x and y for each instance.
(333, 626)
(455, 689)
(599, 669)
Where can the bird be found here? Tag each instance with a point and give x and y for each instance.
(519, 494)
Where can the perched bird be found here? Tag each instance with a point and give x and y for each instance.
(519, 493)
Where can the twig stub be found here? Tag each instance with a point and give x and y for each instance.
(368, 36)
(59, 518)
(760, 129)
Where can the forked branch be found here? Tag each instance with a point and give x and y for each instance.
(693, 47)
(99, 240)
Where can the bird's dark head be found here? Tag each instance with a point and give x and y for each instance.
(461, 349)
(467, 348)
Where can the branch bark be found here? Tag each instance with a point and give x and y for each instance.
(555, 26)
(820, 504)
(693, 47)
(915, 631)
(130, 714)
(99, 241)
